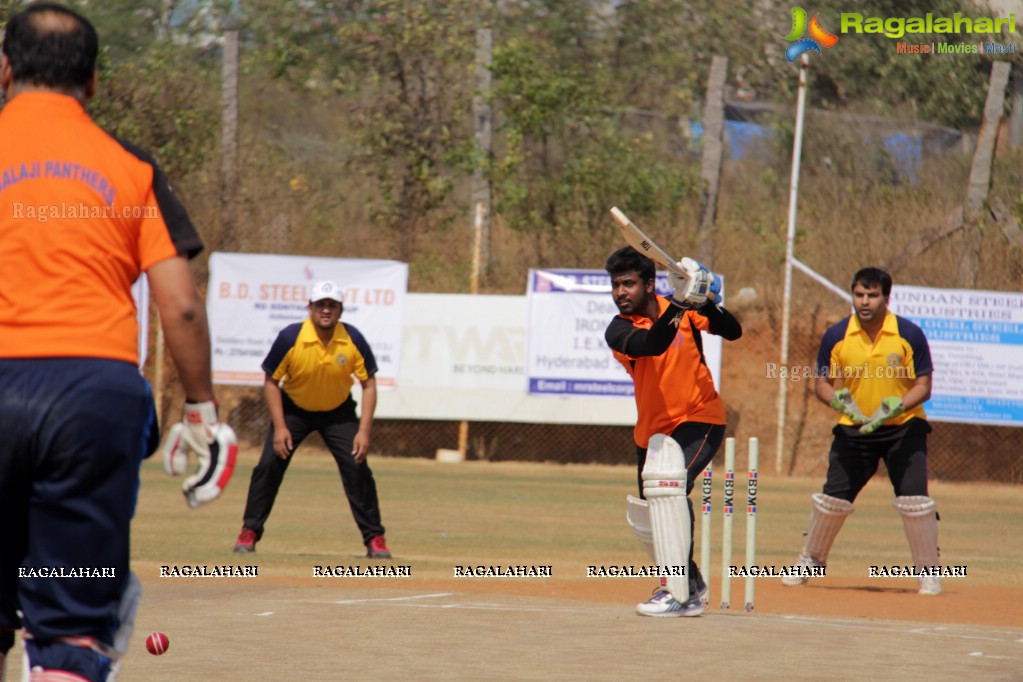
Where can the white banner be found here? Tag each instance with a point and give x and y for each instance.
(567, 355)
(464, 358)
(252, 297)
(976, 341)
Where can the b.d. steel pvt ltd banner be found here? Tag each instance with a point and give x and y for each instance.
(566, 351)
(252, 297)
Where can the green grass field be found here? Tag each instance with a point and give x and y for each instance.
(287, 625)
(568, 516)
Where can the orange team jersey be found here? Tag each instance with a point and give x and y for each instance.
(874, 370)
(82, 215)
(676, 386)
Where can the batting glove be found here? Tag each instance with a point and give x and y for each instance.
(714, 290)
(697, 286)
(890, 408)
(215, 446)
(844, 403)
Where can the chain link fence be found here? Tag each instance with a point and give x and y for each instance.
(957, 452)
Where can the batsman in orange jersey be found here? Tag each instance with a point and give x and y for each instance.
(659, 342)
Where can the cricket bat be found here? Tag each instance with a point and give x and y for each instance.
(642, 243)
(636, 238)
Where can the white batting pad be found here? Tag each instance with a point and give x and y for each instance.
(827, 515)
(638, 515)
(920, 521)
(664, 486)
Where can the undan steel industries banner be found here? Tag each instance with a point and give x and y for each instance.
(566, 352)
(464, 357)
(976, 341)
(252, 297)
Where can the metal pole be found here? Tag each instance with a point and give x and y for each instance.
(797, 150)
(474, 288)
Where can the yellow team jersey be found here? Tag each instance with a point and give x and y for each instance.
(874, 370)
(319, 378)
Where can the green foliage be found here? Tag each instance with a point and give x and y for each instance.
(152, 101)
(410, 65)
(8, 8)
(154, 91)
(405, 67)
(126, 27)
(569, 153)
(864, 72)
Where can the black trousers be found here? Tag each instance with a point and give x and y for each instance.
(854, 458)
(699, 442)
(337, 428)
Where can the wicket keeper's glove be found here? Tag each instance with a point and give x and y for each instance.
(215, 446)
(890, 408)
(844, 403)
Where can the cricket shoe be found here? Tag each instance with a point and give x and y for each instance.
(701, 590)
(246, 542)
(377, 548)
(929, 584)
(803, 562)
(663, 605)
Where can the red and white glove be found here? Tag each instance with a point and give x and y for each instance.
(215, 446)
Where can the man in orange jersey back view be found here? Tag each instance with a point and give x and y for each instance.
(82, 216)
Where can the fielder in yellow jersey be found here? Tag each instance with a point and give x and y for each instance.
(310, 371)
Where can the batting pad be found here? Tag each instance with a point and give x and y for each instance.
(826, 518)
(664, 486)
(920, 521)
(638, 516)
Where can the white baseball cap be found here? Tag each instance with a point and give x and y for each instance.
(326, 289)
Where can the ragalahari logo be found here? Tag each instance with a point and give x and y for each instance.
(818, 36)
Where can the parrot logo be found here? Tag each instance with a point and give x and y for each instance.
(818, 36)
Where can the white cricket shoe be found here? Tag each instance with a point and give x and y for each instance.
(663, 605)
(796, 580)
(929, 584)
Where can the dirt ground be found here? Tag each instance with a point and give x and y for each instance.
(286, 625)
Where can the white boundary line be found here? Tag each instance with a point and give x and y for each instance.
(926, 630)
(393, 599)
(480, 606)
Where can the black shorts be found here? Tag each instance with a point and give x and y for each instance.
(854, 458)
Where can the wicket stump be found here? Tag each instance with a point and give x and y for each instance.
(728, 510)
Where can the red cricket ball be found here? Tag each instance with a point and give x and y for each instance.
(157, 643)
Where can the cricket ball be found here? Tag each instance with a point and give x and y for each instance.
(157, 643)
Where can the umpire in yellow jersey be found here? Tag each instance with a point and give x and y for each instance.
(310, 371)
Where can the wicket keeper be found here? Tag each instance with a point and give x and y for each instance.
(884, 362)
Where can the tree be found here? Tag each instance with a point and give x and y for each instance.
(151, 101)
(404, 70)
(574, 142)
